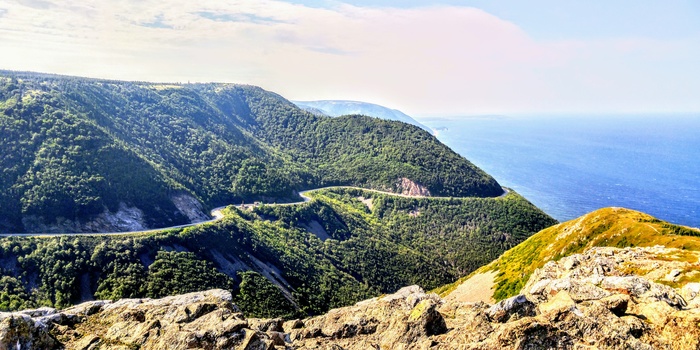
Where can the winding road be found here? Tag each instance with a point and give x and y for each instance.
(218, 215)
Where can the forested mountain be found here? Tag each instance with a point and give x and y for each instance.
(90, 155)
(343, 246)
(95, 155)
(336, 108)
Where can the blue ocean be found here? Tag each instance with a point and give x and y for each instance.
(571, 165)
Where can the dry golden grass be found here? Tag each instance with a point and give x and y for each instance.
(607, 227)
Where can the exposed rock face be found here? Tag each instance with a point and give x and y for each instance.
(404, 320)
(21, 331)
(190, 207)
(586, 301)
(204, 320)
(125, 219)
(410, 188)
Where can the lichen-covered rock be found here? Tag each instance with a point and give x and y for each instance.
(20, 331)
(264, 325)
(402, 320)
(584, 301)
(512, 309)
(691, 293)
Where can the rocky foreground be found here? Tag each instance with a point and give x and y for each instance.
(585, 301)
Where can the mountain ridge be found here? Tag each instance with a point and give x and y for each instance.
(336, 108)
(187, 148)
(331, 265)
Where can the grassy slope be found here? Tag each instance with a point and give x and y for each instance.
(613, 227)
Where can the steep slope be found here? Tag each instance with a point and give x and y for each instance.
(343, 246)
(95, 155)
(336, 108)
(607, 227)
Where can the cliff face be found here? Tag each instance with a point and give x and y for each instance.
(589, 300)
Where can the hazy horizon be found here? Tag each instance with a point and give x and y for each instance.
(425, 58)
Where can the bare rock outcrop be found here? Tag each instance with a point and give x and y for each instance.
(585, 301)
(190, 207)
(411, 188)
(125, 219)
(203, 320)
(403, 320)
(21, 331)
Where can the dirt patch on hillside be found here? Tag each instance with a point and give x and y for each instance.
(317, 229)
(190, 207)
(478, 288)
(274, 275)
(124, 220)
(228, 264)
(369, 202)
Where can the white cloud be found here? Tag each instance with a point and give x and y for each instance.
(433, 60)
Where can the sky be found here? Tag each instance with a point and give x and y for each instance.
(426, 58)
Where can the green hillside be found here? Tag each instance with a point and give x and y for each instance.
(607, 227)
(343, 246)
(77, 152)
(94, 155)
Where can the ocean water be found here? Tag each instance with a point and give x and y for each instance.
(571, 165)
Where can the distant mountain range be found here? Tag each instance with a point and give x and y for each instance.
(336, 108)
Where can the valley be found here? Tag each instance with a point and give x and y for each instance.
(390, 205)
(333, 247)
(130, 168)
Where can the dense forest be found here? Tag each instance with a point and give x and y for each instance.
(343, 246)
(76, 151)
